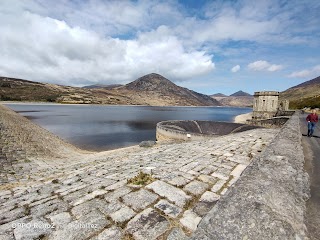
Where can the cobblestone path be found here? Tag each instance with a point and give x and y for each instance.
(52, 190)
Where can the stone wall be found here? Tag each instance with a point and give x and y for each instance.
(25, 147)
(285, 112)
(268, 202)
(275, 122)
(197, 130)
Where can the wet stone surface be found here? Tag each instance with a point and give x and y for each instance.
(44, 179)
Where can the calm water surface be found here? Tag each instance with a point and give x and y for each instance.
(100, 127)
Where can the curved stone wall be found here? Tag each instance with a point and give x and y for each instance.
(197, 130)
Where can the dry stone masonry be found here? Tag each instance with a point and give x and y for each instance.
(52, 190)
(268, 202)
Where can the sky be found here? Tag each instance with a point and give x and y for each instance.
(207, 46)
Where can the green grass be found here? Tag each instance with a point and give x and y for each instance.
(312, 102)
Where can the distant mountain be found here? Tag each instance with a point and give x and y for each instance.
(306, 94)
(218, 95)
(152, 89)
(110, 86)
(155, 89)
(240, 94)
(238, 99)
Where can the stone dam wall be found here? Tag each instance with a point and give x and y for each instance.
(268, 201)
(248, 185)
(26, 147)
(45, 181)
(197, 130)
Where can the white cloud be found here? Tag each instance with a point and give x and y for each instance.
(264, 66)
(312, 72)
(112, 18)
(79, 42)
(46, 49)
(235, 69)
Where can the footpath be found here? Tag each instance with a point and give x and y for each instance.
(311, 149)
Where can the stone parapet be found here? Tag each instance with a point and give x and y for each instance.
(268, 201)
(266, 93)
(197, 130)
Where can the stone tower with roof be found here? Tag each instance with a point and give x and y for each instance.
(266, 104)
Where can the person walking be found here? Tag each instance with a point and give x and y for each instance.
(312, 119)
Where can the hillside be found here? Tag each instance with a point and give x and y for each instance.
(312, 82)
(306, 94)
(12, 89)
(152, 89)
(110, 86)
(241, 101)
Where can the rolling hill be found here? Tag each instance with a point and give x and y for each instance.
(12, 89)
(157, 90)
(306, 94)
(152, 89)
(237, 99)
(110, 86)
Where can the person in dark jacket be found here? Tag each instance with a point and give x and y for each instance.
(312, 119)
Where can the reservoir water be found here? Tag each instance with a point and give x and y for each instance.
(101, 127)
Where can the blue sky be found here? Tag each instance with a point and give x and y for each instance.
(208, 46)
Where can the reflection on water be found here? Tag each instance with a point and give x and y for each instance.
(100, 127)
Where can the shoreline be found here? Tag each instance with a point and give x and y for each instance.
(93, 150)
(116, 105)
(242, 118)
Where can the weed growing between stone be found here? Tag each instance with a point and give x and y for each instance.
(141, 179)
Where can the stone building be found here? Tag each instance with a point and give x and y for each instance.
(267, 105)
(284, 105)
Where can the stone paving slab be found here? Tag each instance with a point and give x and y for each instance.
(148, 224)
(173, 194)
(179, 181)
(114, 233)
(61, 219)
(177, 234)
(196, 187)
(67, 187)
(168, 209)
(83, 228)
(139, 200)
(33, 230)
(218, 185)
(123, 214)
(206, 202)
(190, 220)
